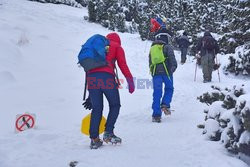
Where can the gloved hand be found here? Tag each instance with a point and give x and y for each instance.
(131, 85)
(87, 104)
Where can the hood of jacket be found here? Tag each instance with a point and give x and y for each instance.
(161, 42)
(114, 37)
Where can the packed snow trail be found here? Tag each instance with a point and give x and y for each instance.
(38, 73)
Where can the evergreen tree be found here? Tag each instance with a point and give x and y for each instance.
(143, 19)
(230, 19)
(84, 3)
(92, 11)
(73, 3)
(121, 27)
(236, 25)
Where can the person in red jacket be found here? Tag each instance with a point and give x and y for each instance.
(101, 81)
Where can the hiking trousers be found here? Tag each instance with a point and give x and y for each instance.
(158, 99)
(183, 54)
(207, 63)
(99, 84)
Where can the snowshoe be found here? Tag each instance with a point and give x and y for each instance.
(166, 110)
(96, 143)
(111, 138)
(156, 119)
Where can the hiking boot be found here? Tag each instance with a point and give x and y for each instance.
(96, 143)
(165, 109)
(206, 80)
(111, 137)
(156, 119)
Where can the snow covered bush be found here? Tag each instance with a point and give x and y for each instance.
(227, 118)
(114, 14)
(74, 3)
(239, 63)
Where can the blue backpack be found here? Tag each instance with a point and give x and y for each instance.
(93, 52)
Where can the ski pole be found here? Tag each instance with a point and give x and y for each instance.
(146, 45)
(216, 60)
(196, 65)
(195, 71)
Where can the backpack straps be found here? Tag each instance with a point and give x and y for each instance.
(164, 65)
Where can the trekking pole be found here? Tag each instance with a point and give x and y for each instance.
(195, 71)
(216, 60)
(117, 77)
(146, 45)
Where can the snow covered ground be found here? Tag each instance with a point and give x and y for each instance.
(39, 44)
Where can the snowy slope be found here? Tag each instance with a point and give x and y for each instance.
(38, 74)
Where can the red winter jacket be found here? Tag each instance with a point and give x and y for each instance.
(115, 53)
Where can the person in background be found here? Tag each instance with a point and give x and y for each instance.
(208, 47)
(183, 43)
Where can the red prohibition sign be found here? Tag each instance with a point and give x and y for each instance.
(28, 118)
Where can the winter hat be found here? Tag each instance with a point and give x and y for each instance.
(155, 26)
(157, 23)
(161, 22)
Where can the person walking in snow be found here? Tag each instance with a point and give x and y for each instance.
(208, 48)
(162, 64)
(101, 81)
(183, 43)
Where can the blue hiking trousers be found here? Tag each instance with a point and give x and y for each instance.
(158, 99)
(99, 84)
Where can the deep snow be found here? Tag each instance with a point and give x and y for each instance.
(39, 74)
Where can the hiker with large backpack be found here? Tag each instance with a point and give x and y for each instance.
(183, 43)
(162, 64)
(101, 81)
(207, 47)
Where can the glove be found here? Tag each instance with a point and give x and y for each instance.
(87, 104)
(131, 85)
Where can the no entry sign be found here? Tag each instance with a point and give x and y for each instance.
(25, 121)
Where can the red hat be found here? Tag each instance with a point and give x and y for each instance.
(154, 25)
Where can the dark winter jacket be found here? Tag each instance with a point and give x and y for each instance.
(183, 41)
(170, 61)
(204, 51)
